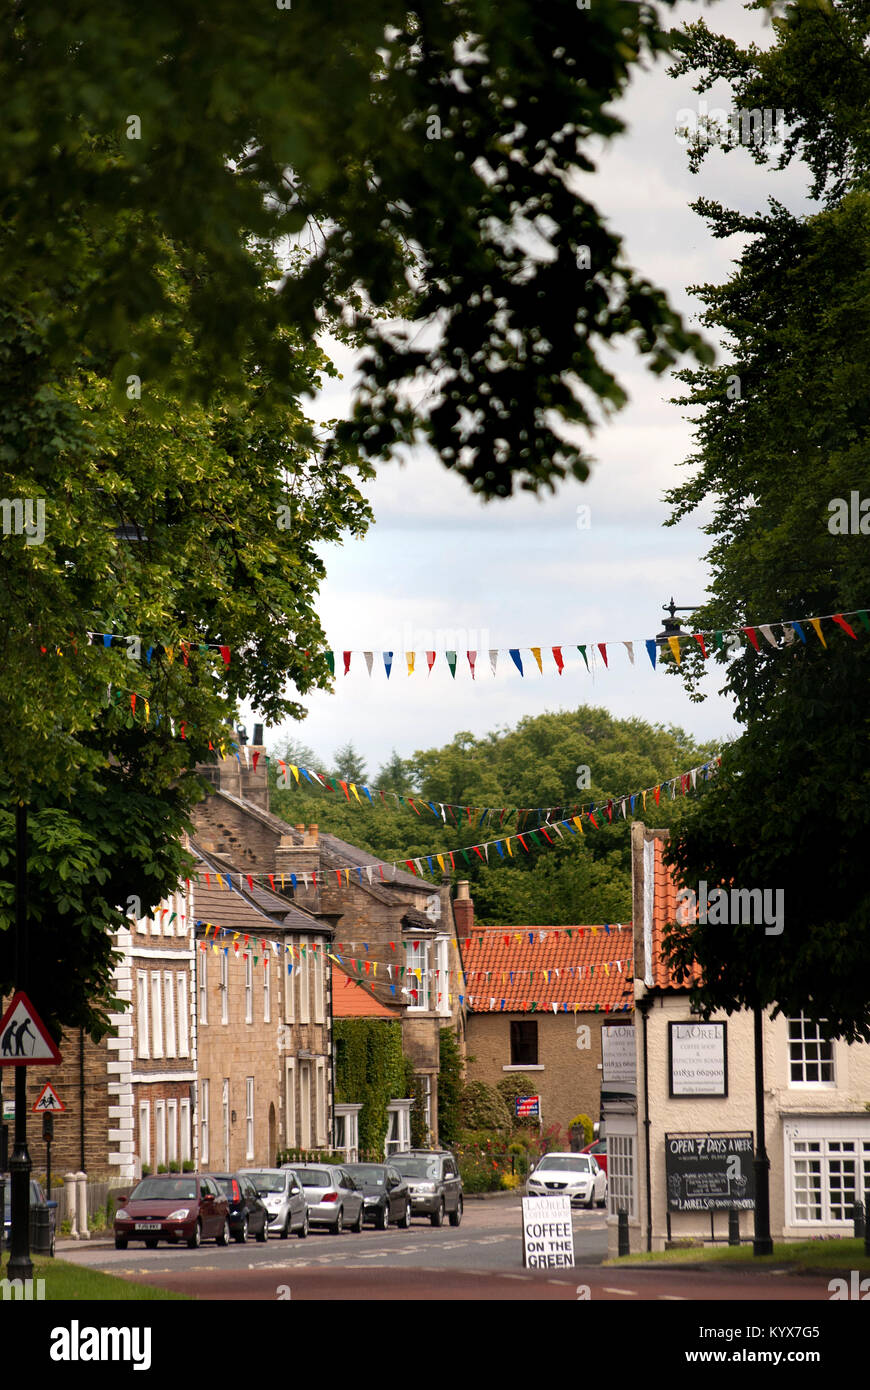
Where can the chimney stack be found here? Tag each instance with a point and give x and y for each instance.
(463, 909)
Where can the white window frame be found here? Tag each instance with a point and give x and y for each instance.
(249, 987)
(809, 1037)
(142, 1021)
(203, 1120)
(249, 1117)
(172, 1131)
(267, 989)
(202, 981)
(289, 979)
(305, 1098)
(418, 960)
(319, 1010)
(832, 1153)
(160, 1133)
(225, 984)
(442, 975)
(621, 1174)
(156, 1014)
(398, 1133)
(225, 1117)
(185, 1150)
(304, 983)
(169, 1013)
(145, 1131)
(183, 1020)
(290, 1103)
(320, 1103)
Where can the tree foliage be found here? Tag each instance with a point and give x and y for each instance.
(426, 164)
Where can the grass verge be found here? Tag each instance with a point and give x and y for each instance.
(65, 1281)
(801, 1257)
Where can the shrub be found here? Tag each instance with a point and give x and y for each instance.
(583, 1122)
(483, 1108)
(510, 1088)
(449, 1088)
(187, 1165)
(510, 1182)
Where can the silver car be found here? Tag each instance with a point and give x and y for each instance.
(333, 1198)
(576, 1176)
(283, 1198)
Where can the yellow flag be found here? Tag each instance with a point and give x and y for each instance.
(220, 880)
(818, 627)
(578, 822)
(508, 847)
(536, 653)
(643, 794)
(439, 857)
(419, 975)
(606, 970)
(147, 711)
(674, 644)
(170, 655)
(409, 657)
(355, 792)
(295, 771)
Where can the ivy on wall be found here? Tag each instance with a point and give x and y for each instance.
(370, 1069)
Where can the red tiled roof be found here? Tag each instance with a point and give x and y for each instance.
(508, 969)
(664, 916)
(352, 1000)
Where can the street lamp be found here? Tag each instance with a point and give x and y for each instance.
(672, 623)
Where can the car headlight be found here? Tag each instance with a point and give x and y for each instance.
(180, 1215)
(426, 1187)
(122, 1216)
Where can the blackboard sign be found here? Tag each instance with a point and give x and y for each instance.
(709, 1172)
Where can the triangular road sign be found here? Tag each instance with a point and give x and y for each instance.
(48, 1100)
(24, 1038)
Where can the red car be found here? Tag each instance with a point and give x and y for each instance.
(173, 1207)
(598, 1151)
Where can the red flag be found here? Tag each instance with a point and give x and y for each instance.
(272, 880)
(343, 786)
(430, 657)
(841, 622)
(658, 792)
(256, 758)
(523, 843)
(557, 657)
(347, 656)
(750, 633)
(250, 882)
(593, 820)
(225, 653)
(602, 647)
(133, 705)
(699, 638)
(184, 650)
(472, 657)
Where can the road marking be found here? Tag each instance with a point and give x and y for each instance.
(628, 1292)
(671, 1297)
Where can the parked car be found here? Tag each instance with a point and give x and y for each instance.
(284, 1199)
(434, 1183)
(599, 1152)
(332, 1196)
(577, 1176)
(38, 1202)
(173, 1207)
(247, 1211)
(386, 1195)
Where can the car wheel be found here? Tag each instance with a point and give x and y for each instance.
(589, 1205)
(264, 1233)
(303, 1229)
(437, 1217)
(358, 1224)
(224, 1237)
(285, 1229)
(120, 1243)
(195, 1241)
(406, 1217)
(242, 1235)
(383, 1220)
(151, 1244)
(603, 1202)
(339, 1223)
(456, 1216)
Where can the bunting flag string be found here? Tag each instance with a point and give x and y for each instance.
(732, 641)
(460, 814)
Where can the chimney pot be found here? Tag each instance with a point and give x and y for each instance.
(313, 834)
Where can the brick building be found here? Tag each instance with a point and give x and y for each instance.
(538, 998)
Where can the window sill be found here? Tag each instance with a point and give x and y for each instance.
(529, 1066)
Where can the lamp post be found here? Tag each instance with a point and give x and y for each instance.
(671, 623)
(762, 1243)
(20, 1263)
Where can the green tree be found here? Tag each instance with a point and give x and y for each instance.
(449, 1088)
(348, 765)
(413, 163)
(789, 810)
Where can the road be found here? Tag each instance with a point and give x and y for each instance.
(482, 1259)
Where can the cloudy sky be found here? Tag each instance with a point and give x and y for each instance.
(440, 569)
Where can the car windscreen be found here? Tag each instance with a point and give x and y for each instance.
(164, 1190)
(314, 1177)
(268, 1182)
(365, 1175)
(565, 1165)
(418, 1167)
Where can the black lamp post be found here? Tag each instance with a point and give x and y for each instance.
(672, 623)
(20, 1263)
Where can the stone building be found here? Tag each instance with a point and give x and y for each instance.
(538, 998)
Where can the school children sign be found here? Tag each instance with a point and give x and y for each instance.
(548, 1235)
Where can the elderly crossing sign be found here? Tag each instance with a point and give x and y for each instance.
(24, 1039)
(48, 1100)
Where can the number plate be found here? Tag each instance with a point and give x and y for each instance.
(149, 1225)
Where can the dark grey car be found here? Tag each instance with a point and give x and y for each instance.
(434, 1183)
(386, 1196)
(284, 1199)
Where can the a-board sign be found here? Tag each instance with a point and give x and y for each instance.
(548, 1235)
(709, 1172)
(528, 1107)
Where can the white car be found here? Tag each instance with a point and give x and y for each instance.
(577, 1176)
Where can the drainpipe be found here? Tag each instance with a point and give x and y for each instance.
(82, 1168)
(644, 1006)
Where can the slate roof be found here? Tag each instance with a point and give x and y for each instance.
(508, 969)
(257, 909)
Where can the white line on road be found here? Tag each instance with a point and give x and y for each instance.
(628, 1292)
(671, 1297)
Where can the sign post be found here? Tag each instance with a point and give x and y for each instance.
(24, 1042)
(48, 1103)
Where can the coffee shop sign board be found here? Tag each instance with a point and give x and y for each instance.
(698, 1059)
